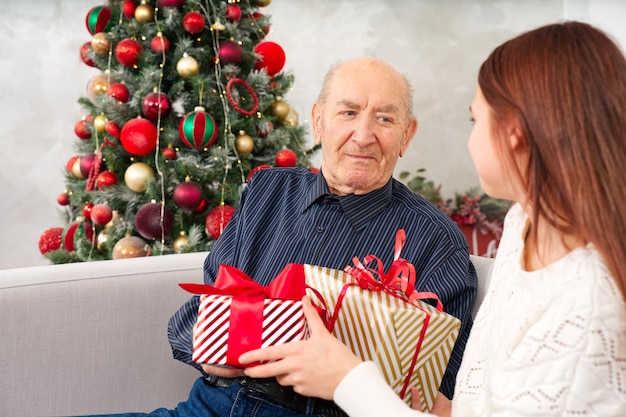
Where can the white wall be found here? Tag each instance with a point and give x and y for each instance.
(438, 44)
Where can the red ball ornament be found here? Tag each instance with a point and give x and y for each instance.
(159, 44)
(84, 54)
(188, 195)
(69, 165)
(98, 19)
(87, 207)
(233, 12)
(155, 105)
(127, 52)
(217, 219)
(286, 158)
(265, 28)
(264, 129)
(119, 91)
(128, 7)
(201, 207)
(230, 53)
(81, 128)
(272, 57)
(101, 214)
(169, 153)
(139, 136)
(193, 22)
(63, 199)
(50, 240)
(198, 129)
(154, 221)
(112, 129)
(105, 179)
(255, 170)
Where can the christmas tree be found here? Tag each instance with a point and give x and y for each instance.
(185, 107)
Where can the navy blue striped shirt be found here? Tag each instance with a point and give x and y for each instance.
(289, 215)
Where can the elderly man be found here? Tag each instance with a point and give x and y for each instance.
(353, 207)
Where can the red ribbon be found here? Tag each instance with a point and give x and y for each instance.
(246, 310)
(398, 282)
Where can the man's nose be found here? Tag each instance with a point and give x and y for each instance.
(364, 131)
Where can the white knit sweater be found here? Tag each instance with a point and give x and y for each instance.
(550, 342)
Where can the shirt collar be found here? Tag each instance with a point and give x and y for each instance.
(359, 209)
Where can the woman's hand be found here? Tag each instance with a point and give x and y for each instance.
(314, 367)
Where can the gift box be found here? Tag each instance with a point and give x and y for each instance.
(381, 317)
(237, 315)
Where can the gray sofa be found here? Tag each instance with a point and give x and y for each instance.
(90, 338)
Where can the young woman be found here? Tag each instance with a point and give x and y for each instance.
(549, 133)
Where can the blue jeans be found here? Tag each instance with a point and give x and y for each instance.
(233, 401)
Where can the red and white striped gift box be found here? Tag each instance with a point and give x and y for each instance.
(283, 321)
(237, 314)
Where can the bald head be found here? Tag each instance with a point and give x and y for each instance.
(373, 66)
(364, 122)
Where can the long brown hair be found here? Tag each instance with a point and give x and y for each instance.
(564, 85)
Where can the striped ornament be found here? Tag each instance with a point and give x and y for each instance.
(283, 321)
(198, 129)
(380, 327)
(98, 19)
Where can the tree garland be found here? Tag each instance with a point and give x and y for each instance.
(229, 86)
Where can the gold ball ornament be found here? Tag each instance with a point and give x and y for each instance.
(181, 242)
(100, 43)
(130, 247)
(262, 3)
(291, 119)
(244, 144)
(102, 240)
(137, 176)
(144, 13)
(187, 66)
(97, 85)
(116, 217)
(280, 109)
(99, 123)
(76, 169)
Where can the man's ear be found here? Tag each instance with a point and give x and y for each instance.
(316, 122)
(409, 133)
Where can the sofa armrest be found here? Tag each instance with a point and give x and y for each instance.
(483, 267)
(91, 338)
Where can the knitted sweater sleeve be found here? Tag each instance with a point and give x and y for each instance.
(364, 393)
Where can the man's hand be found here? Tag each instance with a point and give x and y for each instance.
(441, 405)
(314, 367)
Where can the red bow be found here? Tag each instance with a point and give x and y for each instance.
(399, 280)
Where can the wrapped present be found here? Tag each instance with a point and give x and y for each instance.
(382, 318)
(237, 314)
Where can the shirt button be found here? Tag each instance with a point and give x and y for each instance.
(320, 229)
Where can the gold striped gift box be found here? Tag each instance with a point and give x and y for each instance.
(386, 328)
